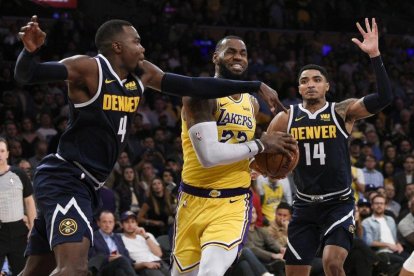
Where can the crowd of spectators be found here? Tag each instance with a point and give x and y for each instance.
(146, 176)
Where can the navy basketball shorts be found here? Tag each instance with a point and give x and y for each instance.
(64, 206)
(316, 225)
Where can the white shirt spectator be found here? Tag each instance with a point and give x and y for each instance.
(139, 250)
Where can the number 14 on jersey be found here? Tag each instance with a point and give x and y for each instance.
(318, 152)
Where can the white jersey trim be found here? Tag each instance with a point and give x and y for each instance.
(110, 69)
(290, 119)
(313, 115)
(98, 91)
(139, 82)
(344, 133)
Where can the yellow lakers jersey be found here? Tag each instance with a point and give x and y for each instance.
(271, 199)
(235, 124)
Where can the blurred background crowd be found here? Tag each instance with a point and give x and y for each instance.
(180, 36)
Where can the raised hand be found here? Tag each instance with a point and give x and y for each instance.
(370, 43)
(32, 36)
(271, 97)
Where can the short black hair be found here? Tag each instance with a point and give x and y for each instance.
(314, 67)
(107, 31)
(220, 42)
(284, 205)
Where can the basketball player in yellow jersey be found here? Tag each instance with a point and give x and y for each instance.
(214, 200)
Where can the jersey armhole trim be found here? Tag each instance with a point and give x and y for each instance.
(98, 92)
(290, 118)
(139, 82)
(344, 132)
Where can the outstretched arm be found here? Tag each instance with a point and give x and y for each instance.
(206, 88)
(27, 69)
(80, 71)
(372, 103)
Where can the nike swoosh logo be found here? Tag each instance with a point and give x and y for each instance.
(234, 200)
(108, 81)
(300, 118)
(222, 104)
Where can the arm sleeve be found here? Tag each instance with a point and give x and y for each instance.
(29, 71)
(210, 152)
(206, 88)
(378, 101)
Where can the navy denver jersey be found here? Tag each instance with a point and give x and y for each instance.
(324, 164)
(98, 129)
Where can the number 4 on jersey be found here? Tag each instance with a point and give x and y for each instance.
(318, 153)
(122, 127)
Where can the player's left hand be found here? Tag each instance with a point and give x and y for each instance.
(370, 43)
(271, 98)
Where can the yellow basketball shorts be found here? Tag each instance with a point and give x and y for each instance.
(202, 222)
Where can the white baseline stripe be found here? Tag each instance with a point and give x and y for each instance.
(293, 250)
(339, 221)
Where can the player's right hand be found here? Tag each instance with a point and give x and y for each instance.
(31, 35)
(278, 142)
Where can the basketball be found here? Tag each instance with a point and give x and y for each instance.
(275, 165)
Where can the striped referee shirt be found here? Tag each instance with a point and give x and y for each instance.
(14, 187)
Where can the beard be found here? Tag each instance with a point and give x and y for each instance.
(313, 101)
(227, 74)
(138, 71)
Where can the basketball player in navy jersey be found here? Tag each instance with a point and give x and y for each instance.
(323, 207)
(104, 93)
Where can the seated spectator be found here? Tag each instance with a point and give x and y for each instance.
(278, 231)
(391, 204)
(29, 137)
(279, 226)
(46, 129)
(358, 182)
(266, 249)
(157, 213)
(361, 260)
(108, 256)
(388, 171)
(408, 192)
(116, 175)
(271, 194)
(380, 233)
(406, 227)
(40, 152)
(371, 175)
(142, 247)
(364, 208)
(403, 178)
(131, 193)
(25, 166)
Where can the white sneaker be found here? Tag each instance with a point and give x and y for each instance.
(268, 274)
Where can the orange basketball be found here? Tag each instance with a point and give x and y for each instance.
(275, 165)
